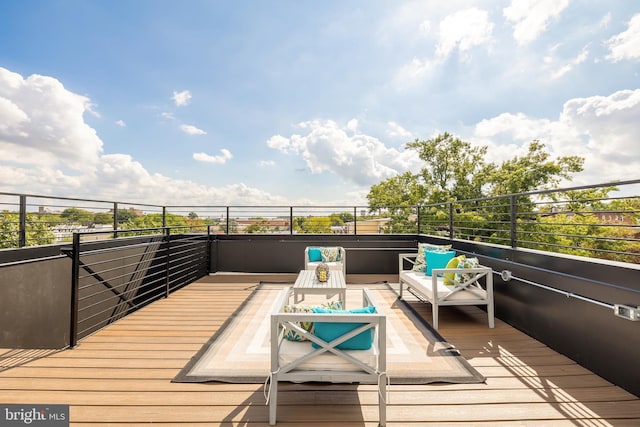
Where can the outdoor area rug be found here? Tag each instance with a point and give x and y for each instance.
(239, 351)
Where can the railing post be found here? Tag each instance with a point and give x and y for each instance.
(418, 212)
(167, 279)
(355, 220)
(227, 227)
(451, 220)
(513, 220)
(22, 222)
(115, 220)
(291, 220)
(164, 216)
(75, 285)
(209, 249)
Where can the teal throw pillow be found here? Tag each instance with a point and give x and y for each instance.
(420, 263)
(329, 331)
(437, 260)
(315, 255)
(292, 335)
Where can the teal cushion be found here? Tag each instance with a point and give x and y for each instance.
(420, 262)
(292, 335)
(329, 331)
(437, 259)
(315, 255)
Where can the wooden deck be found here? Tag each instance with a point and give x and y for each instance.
(121, 376)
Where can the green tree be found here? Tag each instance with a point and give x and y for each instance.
(338, 219)
(260, 226)
(77, 216)
(152, 221)
(454, 169)
(103, 218)
(37, 231)
(397, 192)
(313, 224)
(534, 171)
(127, 215)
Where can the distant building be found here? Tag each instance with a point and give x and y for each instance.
(64, 232)
(366, 226)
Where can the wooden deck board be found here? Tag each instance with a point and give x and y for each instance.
(121, 376)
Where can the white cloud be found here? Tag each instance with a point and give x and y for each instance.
(414, 72)
(605, 21)
(360, 159)
(121, 123)
(192, 130)
(47, 148)
(42, 123)
(568, 67)
(395, 130)
(463, 30)
(181, 99)
(530, 18)
(266, 163)
(626, 45)
(352, 125)
(280, 143)
(203, 157)
(425, 27)
(602, 129)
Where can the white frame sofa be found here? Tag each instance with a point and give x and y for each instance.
(432, 288)
(335, 265)
(301, 362)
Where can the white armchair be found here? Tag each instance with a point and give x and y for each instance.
(334, 256)
(326, 360)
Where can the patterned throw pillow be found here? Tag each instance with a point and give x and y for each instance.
(467, 263)
(421, 263)
(292, 335)
(330, 254)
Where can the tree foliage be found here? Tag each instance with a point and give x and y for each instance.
(37, 231)
(77, 216)
(533, 171)
(454, 169)
(314, 224)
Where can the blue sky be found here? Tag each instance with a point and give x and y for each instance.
(303, 102)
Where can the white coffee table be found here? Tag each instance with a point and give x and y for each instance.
(308, 284)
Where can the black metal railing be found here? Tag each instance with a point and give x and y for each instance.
(600, 221)
(113, 278)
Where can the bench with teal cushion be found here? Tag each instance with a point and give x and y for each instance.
(462, 284)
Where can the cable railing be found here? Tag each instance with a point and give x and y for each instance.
(113, 278)
(599, 221)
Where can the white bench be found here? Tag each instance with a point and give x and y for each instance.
(301, 362)
(459, 292)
